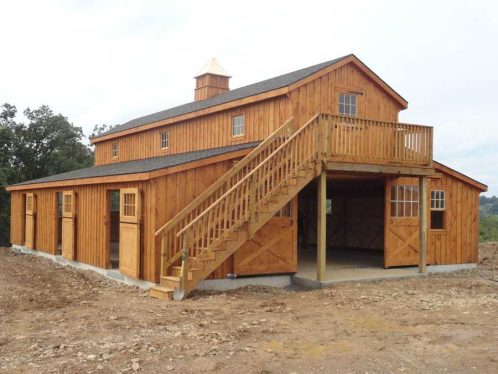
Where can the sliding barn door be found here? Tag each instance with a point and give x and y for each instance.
(402, 222)
(30, 221)
(69, 225)
(129, 232)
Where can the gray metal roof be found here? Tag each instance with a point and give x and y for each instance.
(140, 166)
(236, 94)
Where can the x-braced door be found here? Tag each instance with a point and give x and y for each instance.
(129, 232)
(29, 237)
(69, 225)
(402, 223)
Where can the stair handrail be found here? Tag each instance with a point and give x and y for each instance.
(247, 176)
(220, 182)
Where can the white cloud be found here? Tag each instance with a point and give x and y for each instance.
(110, 61)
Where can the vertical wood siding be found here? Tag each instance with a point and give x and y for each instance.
(322, 95)
(458, 242)
(210, 131)
(92, 223)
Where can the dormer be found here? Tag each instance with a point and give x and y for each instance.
(212, 80)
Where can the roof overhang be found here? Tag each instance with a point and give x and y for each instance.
(135, 177)
(464, 178)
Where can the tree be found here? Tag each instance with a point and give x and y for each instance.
(100, 129)
(48, 144)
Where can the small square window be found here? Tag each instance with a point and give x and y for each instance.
(347, 105)
(238, 125)
(164, 139)
(114, 150)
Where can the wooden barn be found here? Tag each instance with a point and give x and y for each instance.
(257, 181)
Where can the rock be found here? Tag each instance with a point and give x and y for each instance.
(91, 357)
(135, 366)
(170, 367)
(106, 356)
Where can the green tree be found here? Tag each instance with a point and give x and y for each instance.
(47, 144)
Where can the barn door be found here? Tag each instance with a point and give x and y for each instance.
(30, 221)
(68, 225)
(129, 232)
(402, 223)
(273, 248)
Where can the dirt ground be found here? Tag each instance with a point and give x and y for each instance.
(57, 319)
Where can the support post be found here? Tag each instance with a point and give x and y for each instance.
(252, 206)
(321, 240)
(164, 253)
(185, 259)
(422, 194)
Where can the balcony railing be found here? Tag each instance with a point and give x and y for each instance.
(374, 142)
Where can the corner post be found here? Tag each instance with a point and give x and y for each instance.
(321, 240)
(422, 194)
(185, 256)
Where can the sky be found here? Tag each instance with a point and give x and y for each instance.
(106, 62)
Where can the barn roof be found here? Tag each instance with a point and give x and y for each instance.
(464, 178)
(262, 87)
(139, 166)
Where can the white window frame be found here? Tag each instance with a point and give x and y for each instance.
(164, 139)
(349, 105)
(438, 200)
(238, 126)
(114, 150)
(409, 202)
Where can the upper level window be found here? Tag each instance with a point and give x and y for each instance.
(404, 201)
(238, 125)
(438, 209)
(347, 105)
(164, 139)
(114, 150)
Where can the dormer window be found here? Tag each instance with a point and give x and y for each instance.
(238, 125)
(347, 105)
(114, 150)
(165, 140)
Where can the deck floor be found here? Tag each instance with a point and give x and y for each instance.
(350, 265)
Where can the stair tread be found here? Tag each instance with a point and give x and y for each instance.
(170, 277)
(163, 288)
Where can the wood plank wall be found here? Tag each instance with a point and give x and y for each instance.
(210, 131)
(92, 223)
(458, 243)
(322, 95)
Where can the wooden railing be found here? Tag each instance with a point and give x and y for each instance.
(375, 142)
(171, 245)
(240, 203)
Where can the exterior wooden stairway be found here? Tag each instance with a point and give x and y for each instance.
(213, 226)
(219, 221)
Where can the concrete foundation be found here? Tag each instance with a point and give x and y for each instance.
(231, 284)
(108, 273)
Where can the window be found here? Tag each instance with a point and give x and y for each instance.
(404, 201)
(114, 150)
(129, 204)
(164, 139)
(347, 105)
(238, 125)
(68, 207)
(438, 208)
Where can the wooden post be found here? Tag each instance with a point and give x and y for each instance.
(164, 253)
(185, 256)
(422, 194)
(252, 206)
(321, 231)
